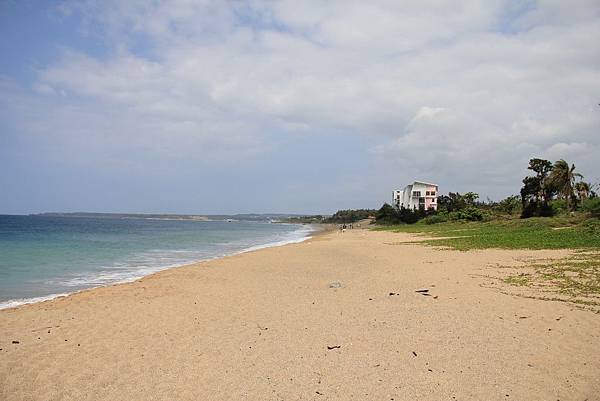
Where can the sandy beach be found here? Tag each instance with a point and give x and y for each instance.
(335, 318)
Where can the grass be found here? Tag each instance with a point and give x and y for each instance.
(573, 232)
(575, 279)
(578, 275)
(521, 279)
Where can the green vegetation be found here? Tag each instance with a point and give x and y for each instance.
(350, 216)
(592, 206)
(538, 190)
(340, 217)
(313, 219)
(392, 215)
(552, 180)
(521, 279)
(569, 232)
(574, 279)
(555, 189)
(575, 276)
(453, 207)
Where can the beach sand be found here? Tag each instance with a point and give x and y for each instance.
(309, 321)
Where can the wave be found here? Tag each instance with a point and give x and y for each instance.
(13, 303)
(282, 242)
(127, 273)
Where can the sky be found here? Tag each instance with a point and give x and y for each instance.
(205, 106)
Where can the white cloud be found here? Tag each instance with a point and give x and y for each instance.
(451, 91)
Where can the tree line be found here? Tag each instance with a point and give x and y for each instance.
(554, 188)
(553, 181)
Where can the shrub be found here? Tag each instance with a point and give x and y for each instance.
(509, 205)
(391, 215)
(592, 206)
(592, 226)
(469, 214)
(436, 218)
(409, 216)
(350, 216)
(387, 215)
(533, 209)
(558, 206)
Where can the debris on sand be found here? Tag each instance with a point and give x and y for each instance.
(330, 347)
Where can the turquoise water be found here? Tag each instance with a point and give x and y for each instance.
(43, 256)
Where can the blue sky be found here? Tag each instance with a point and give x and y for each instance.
(282, 106)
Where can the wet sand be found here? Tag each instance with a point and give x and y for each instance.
(334, 318)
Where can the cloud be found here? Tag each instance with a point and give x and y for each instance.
(460, 93)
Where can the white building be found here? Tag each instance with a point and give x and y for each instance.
(416, 195)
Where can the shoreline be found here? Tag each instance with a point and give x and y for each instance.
(16, 303)
(334, 317)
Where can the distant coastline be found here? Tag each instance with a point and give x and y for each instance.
(270, 217)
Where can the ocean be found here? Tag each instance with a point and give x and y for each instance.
(42, 257)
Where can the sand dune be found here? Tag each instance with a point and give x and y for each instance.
(334, 318)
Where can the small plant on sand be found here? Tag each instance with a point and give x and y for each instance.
(521, 279)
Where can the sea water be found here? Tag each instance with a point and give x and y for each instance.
(42, 257)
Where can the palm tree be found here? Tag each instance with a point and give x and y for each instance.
(563, 178)
(583, 190)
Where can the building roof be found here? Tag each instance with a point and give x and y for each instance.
(426, 183)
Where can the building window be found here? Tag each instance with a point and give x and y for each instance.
(432, 193)
(416, 193)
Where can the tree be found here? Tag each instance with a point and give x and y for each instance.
(543, 168)
(564, 179)
(538, 190)
(350, 216)
(470, 198)
(509, 205)
(444, 202)
(392, 215)
(453, 201)
(387, 214)
(583, 190)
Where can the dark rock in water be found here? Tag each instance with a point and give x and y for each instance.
(335, 284)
